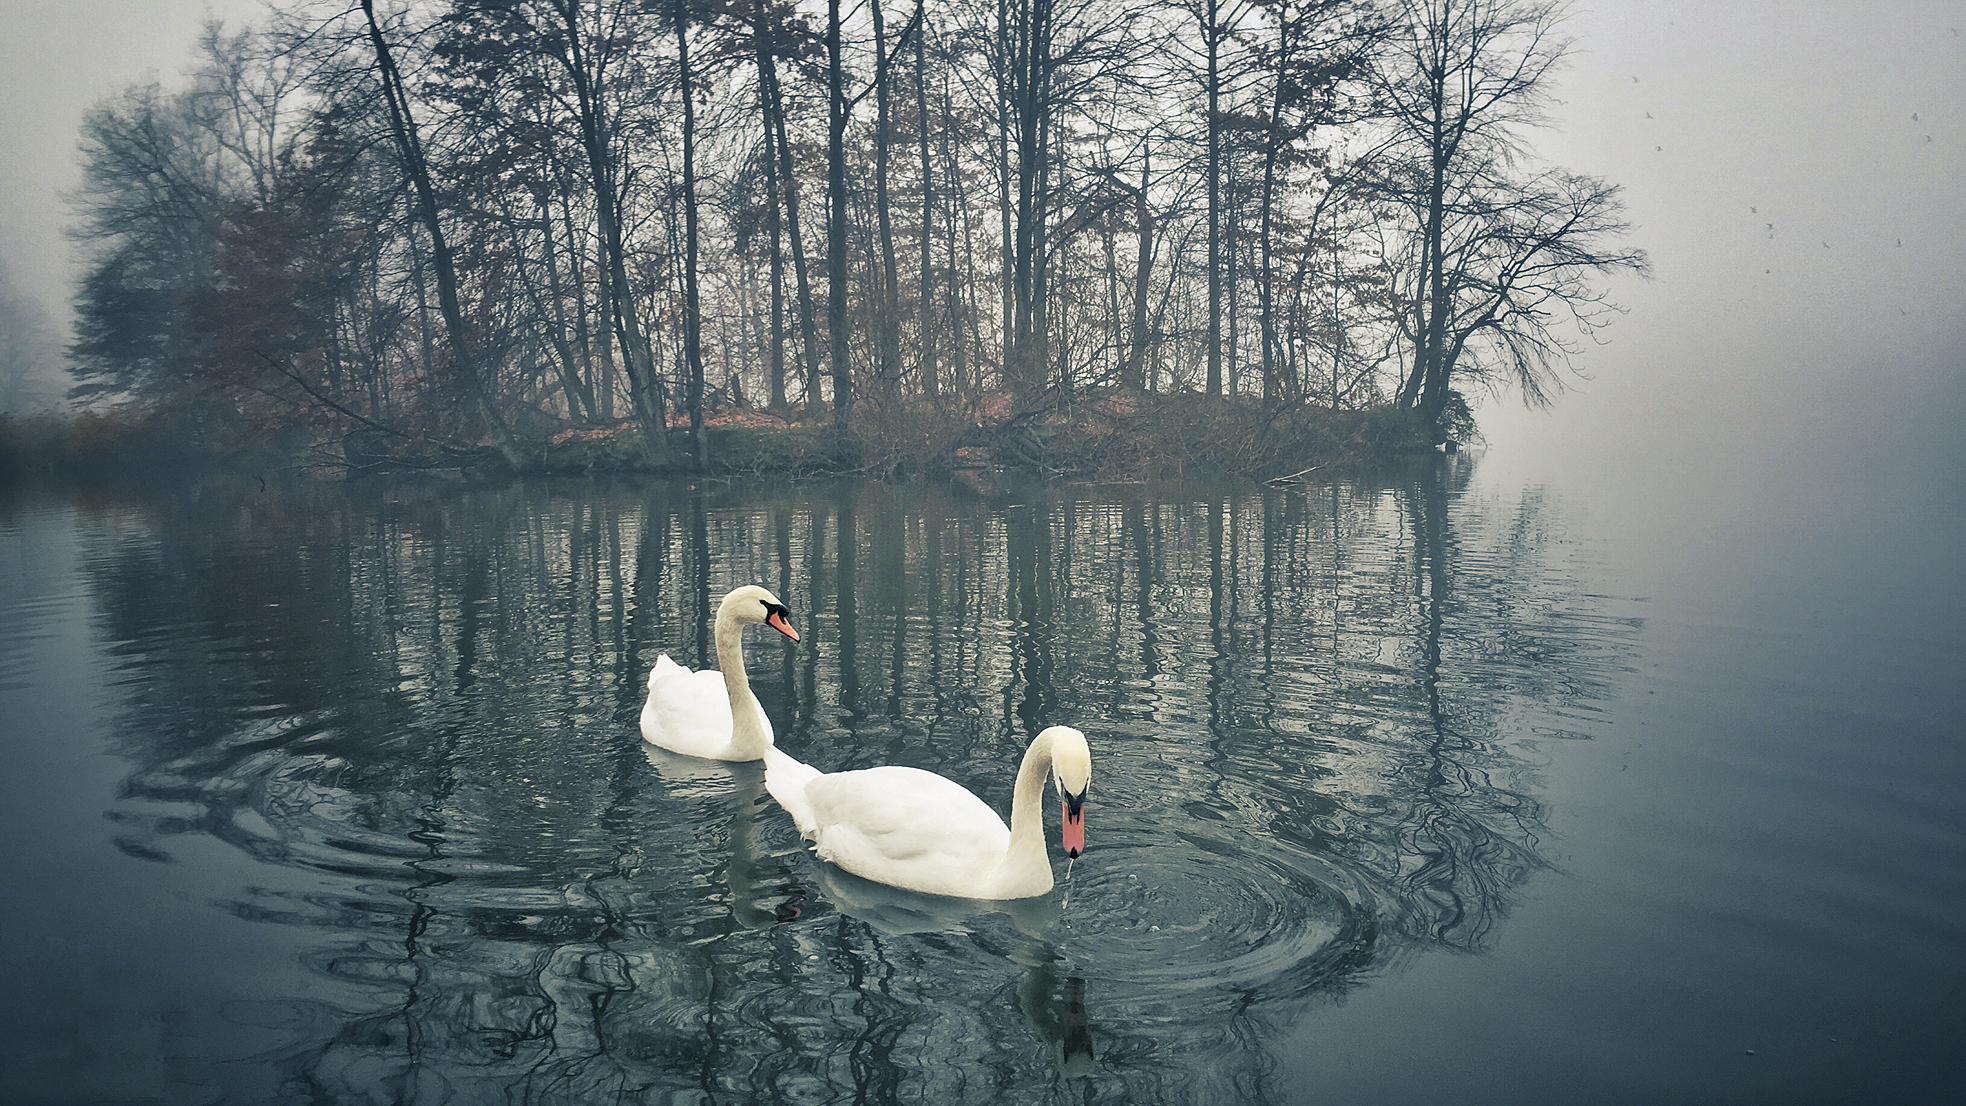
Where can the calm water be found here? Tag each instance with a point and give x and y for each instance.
(1445, 789)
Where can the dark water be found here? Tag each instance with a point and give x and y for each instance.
(1439, 789)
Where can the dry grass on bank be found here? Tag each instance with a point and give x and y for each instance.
(1110, 435)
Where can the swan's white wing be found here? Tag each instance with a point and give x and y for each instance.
(689, 712)
(664, 668)
(907, 828)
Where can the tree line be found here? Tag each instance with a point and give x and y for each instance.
(416, 228)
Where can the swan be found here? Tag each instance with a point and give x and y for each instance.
(704, 714)
(921, 832)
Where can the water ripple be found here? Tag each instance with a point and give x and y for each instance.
(1234, 915)
(416, 722)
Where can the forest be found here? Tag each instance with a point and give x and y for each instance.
(1072, 235)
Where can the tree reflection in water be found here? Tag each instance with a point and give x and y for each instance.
(1316, 716)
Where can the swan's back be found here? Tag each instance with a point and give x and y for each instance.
(689, 712)
(907, 828)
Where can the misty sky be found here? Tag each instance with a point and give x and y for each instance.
(1836, 339)
(1843, 125)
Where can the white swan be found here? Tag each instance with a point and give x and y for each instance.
(916, 830)
(711, 715)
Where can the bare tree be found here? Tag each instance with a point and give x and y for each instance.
(1494, 261)
(1315, 49)
(465, 218)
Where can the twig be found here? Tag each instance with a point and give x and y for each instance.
(1293, 476)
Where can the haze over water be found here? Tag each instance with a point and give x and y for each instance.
(1621, 762)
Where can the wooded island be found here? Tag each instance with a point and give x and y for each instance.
(1075, 236)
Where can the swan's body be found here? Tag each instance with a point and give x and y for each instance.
(712, 714)
(693, 713)
(916, 830)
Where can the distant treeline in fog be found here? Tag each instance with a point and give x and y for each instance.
(434, 226)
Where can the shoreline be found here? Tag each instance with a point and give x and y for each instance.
(1114, 437)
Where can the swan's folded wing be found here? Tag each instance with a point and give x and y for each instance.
(687, 712)
(906, 827)
(664, 668)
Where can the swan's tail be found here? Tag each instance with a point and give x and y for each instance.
(664, 667)
(786, 779)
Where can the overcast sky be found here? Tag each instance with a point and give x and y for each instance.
(1841, 124)
(1835, 337)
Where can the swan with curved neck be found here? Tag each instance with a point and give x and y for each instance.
(916, 830)
(713, 714)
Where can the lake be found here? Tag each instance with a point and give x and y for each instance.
(1448, 786)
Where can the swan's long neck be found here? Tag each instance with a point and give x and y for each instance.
(748, 736)
(1026, 862)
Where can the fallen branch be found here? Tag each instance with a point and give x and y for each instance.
(1276, 481)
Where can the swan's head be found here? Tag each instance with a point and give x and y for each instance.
(1071, 772)
(752, 603)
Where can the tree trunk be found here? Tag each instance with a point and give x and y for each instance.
(599, 378)
(808, 324)
(692, 305)
(1039, 359)
(924, 309)
(580, 400)
(403, 127)
(1143, 271)
(761, 41)
(836, 286)
(1025, 360)
(1007, 84)
(1231, 244)
(1266, 257)
(887, 324)
(1212, 35)
(958, 213)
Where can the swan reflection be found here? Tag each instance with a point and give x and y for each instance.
(896, 911)
(1056, 1009)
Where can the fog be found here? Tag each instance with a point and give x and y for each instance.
(56, 60)
(1798, 175)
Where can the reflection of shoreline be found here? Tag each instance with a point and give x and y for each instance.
(1312, 685)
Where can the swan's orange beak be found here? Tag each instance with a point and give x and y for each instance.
(778, 621)
(1074, 828)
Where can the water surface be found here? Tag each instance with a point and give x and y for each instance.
(1422, 788)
